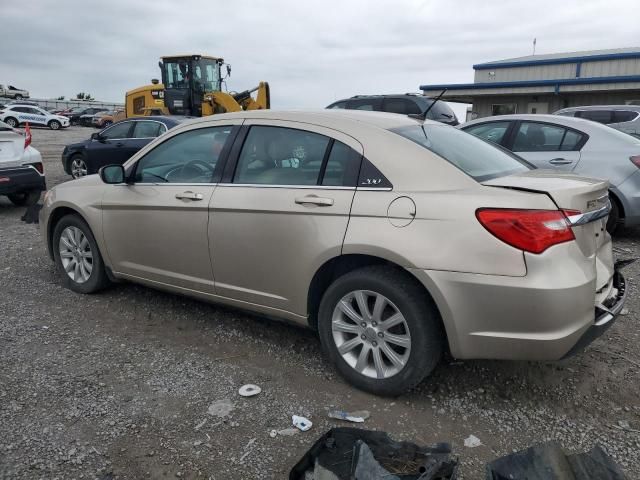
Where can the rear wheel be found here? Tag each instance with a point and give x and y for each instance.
(23, 199)
(12, 122)
(54, 125)
(19, 97)
(380, 329)
(614, 217)
(77, 256)
(78, 167)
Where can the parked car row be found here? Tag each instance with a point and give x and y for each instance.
(396, 238)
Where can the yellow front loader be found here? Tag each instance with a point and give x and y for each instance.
(192, 85)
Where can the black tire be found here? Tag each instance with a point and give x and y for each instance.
(98, 279)
(24, 199)
(106, 124)
(614, 217)
(421, 316)
(70, 165)
(73, 122)
(18, 97)
(12, 122)
(54, 125)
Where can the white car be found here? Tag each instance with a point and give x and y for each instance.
(21, 172)
(16, 114)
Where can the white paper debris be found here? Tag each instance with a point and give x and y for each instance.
(301, 423)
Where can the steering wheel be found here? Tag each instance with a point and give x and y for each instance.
(191, 169)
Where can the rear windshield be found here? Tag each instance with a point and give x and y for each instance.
(477, 158)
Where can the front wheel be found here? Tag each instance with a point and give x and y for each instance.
(78, 167)
(18, 97)
(24, 199)
(54, 125)
(380, 329)
(77, 257)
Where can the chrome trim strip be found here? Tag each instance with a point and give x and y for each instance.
(308, 187)
(588, 217)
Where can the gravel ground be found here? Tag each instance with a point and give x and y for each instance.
(134, 383)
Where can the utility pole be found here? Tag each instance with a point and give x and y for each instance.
(534, 46)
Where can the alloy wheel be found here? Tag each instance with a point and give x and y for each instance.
(75, 254)
(371, 334)
(78, 168)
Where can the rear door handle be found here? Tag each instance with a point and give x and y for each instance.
(313, 200)
(560, 161)
(189, 195)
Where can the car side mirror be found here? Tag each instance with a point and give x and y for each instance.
(96, 136)
(112, 174)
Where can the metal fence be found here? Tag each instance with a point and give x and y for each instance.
(62, 104)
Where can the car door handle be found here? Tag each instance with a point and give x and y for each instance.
(559, 161)
(119, 144)
(189, 195)
(313, 200)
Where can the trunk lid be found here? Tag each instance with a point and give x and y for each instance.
(573, 192)
(11, 148)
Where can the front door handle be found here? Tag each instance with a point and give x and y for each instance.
(119, 144)
(189, 195)
(313, 200)
(559, 161)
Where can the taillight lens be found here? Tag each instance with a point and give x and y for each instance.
(38, 166)
(635, 160)
(529, 230)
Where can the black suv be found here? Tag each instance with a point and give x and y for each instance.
(408, 103)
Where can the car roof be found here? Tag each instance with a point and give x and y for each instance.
(635, 108)
(535, 117)
(331, 118)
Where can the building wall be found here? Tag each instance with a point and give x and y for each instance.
(608, 68)
(482, 106)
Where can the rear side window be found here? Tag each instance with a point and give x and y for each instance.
(620, 116)
(542, 137)
(281, 156)
(477, 158)
(600, 116)
(342, 166)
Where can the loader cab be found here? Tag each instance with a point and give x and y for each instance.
(186, 79)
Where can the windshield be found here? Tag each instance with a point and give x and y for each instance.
(205, 73)
(477, 158)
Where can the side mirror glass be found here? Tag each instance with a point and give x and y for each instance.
(112, 174)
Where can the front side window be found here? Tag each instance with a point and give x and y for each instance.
(176, 74)
(541, 137)
(475, 157)
(117, 131)
(364, 104)
(491, 131)
(189, 157)
(503, 109)
(281, 156)
(341, 105)
(147, 129)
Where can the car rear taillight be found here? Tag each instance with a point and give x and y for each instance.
(529, 230)
(38, 166)
(635, 160)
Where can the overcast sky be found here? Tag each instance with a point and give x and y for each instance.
(311, 52)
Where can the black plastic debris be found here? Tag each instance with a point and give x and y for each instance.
(356, 454)
(548, 461)
(32, 213)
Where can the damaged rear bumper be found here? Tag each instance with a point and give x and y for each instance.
(605, 314)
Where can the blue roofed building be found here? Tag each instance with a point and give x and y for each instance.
(546, 83)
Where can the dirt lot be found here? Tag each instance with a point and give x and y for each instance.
(124, 384)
